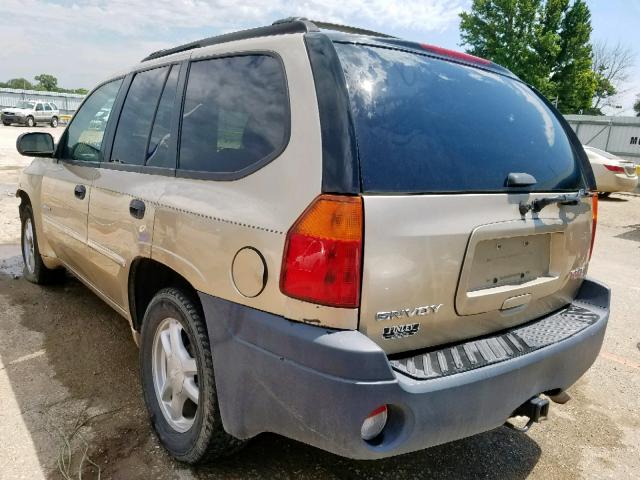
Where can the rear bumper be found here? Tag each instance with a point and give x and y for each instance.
(618, 183)
(316, 385)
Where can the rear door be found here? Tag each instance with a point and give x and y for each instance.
(447, 253)
(123, 198)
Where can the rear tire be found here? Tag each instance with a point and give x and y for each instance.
(604, 194)
(173, 338)
(34, 268)
(54, 122)
(31, 122)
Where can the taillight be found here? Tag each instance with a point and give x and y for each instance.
(323, 253)
(594, 216)
(614, 168)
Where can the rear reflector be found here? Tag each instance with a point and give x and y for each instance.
(374, 423)
(614, 168)
(323, 250)
(594, 216)
(466, 57)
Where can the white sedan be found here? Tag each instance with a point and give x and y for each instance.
(613, 174)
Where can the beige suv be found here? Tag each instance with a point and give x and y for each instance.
(362, 243)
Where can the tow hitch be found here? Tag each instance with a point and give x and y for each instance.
(535, 409)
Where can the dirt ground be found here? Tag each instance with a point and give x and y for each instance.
(69, 391)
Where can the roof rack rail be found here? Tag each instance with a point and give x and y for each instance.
(279, 27)
(348, 29)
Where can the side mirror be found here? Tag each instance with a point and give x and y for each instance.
(35, 144)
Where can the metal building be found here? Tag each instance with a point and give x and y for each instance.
(617, 135)
(67, 103)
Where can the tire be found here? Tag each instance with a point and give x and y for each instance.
(31, 122)
(34, 268)
(54, 122)
(6, 124)
(604, 194)
(196, 436)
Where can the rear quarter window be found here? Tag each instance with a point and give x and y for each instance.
(429, 125)
(235, 116)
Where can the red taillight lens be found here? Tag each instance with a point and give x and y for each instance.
(594, 216)
(614, 168)
(323, 252)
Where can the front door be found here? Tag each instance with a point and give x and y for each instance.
(66, 186)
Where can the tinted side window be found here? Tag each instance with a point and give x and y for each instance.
(134, 125)
(236, 114)
(39, 107)
(47, 107)
(83, 138)
(158, 154)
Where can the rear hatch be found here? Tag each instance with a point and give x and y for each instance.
(447, 253)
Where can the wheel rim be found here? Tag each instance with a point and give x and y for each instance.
(28, 246)
(54, 122)
(30, 122)
(175, 375)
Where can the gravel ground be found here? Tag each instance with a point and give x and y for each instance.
(68, 364)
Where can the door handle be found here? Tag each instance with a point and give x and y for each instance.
(80, 191)
(136, 208)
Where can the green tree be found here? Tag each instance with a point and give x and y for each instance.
(21, 83)
(46, 82)
(574, 77)
(544, 42)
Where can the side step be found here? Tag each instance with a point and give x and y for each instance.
(502, 346)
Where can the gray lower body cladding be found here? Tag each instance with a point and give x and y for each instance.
(317, 385)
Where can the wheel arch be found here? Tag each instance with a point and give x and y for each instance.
(146, 278)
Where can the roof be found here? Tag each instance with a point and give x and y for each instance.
(340, 33)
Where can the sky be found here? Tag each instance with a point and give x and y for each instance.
(82, 41)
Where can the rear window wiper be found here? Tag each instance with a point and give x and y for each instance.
(539, 203)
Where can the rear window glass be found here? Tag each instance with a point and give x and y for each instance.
(158, 154)
(134, 125)
(236, 114)
(428, 125)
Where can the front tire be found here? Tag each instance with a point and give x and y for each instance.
(178, 383)
(54, 122)
(34, 268)
(31, 122)
(6, 124)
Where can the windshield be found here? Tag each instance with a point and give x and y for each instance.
(426, 125)
(26, 105)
